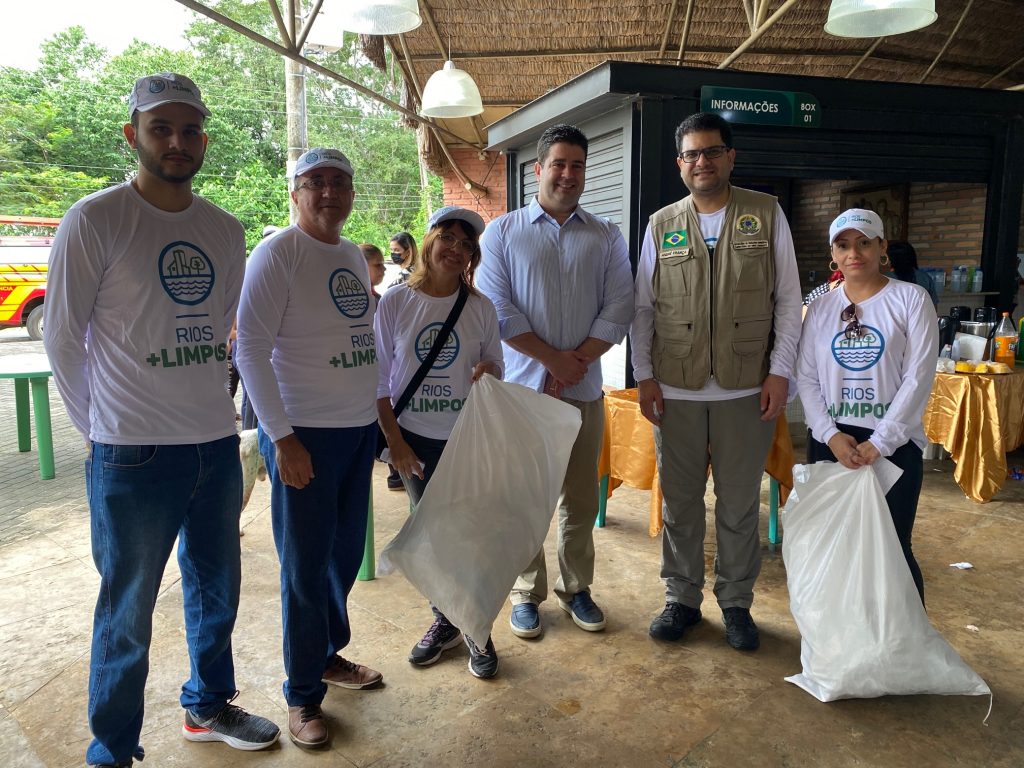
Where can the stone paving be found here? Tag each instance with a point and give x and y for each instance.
(615, 698)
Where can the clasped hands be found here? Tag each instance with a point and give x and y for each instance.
(850, 453)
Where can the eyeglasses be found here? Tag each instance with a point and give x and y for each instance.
(711, 153)
(854, 330)
(318, 185)
(451, 241)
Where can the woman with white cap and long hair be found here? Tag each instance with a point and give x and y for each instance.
(866, 367)
(408, 326)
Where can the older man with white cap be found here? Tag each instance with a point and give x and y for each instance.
(150, 274)
(307, 353)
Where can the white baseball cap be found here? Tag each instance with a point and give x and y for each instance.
(455, 213)
(868, 223)
(320, 157)
(164, 88)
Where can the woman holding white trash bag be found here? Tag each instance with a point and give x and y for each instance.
(866, 367)
(409, 325)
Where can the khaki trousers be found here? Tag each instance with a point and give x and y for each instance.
(732, 436)
(577, 511)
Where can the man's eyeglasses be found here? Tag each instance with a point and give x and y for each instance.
(854, 330)
(318, 185)
(451, 241)
(711, 153)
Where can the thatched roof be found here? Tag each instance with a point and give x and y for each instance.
(517, 50)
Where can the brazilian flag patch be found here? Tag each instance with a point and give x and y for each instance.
(674, 239)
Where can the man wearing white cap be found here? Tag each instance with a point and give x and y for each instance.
(150, 275)
(714, 344)
(307, 353)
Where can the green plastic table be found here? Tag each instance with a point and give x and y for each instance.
(32, 371)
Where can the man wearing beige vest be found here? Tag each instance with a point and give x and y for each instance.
(714, 342)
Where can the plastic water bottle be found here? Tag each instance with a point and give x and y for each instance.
(1004, 345)
(939, 278)
(976, 281)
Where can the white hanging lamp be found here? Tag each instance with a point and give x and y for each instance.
(878, 18)
(367, 17)
(451, 92)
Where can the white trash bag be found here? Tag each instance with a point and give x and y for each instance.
(487, 509)
(863, 630)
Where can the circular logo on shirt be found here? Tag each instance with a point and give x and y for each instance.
(861, 353)
(425, 342)
(748, 224)
(348, 293)
(186, 273)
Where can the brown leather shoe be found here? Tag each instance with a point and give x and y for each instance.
(347, 674)
(307, 726)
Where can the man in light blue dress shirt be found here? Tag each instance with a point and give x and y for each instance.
(560, 279)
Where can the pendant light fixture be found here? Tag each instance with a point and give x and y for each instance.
(367, 17)
(878, 18)
(451, 92)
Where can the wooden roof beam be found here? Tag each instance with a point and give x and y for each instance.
(762, 12)
(757, 33)
(949, 40)
(864, 58)
(668, 27)
(748, 11)
(686, 33)
(1006, 71)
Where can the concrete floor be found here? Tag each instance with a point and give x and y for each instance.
(571, 698)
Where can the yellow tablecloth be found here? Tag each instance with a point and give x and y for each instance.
(627, 455)
(978, 418)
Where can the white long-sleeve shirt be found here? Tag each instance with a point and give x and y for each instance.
(787, 312)
(306, 349)
(139, 302)
(405, 325)
(881, 380)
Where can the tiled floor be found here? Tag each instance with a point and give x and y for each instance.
(571, 698)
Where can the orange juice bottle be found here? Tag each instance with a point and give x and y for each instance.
(1005, 341)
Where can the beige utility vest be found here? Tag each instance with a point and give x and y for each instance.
(713, 314)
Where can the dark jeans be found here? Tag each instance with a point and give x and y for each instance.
(429, 452)
(901, 498)
(142, 497)
(319, 532)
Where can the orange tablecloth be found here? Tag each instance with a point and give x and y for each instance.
(978, 418)
(627, 455)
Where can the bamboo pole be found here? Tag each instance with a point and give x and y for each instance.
(668, 28)
(686, 32)
(769, 23)
(864, 58)
(948, 41)
(992, 79)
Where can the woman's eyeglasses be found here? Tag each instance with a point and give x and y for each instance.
(854, 330)
(451, 241)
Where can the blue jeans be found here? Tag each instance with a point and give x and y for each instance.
(141, 497)
(319, 532)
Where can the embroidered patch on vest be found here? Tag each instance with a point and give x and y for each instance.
(674, 239)
(748, 224)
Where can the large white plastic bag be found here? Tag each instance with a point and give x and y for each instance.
(863, 630)
(487, 509)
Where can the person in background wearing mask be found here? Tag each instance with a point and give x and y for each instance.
(405, 255)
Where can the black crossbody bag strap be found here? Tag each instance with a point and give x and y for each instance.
(435, 350)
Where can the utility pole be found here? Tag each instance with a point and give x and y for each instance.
(295, 98)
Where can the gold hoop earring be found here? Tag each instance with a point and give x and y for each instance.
(833, 266)
(884, 260)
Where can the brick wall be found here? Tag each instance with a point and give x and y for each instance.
(945, 224)
(488, 172)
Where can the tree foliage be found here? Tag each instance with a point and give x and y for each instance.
(61, 127)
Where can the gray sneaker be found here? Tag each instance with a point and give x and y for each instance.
(234, 726)
(483, 662)
(442, 636)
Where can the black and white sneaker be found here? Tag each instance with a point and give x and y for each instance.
(442, 636)
(483, 663)
(234, 726)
